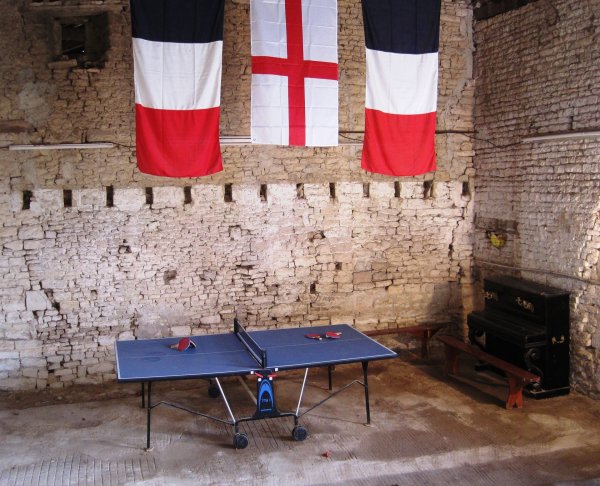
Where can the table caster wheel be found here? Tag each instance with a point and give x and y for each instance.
(299, 433)
(240, 440)
(213, 391)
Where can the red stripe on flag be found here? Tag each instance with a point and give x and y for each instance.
(399, 145)
(295, 52)
(283, 67)
(297, 69)
(178, 143)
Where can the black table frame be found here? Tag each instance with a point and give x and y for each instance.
(240, 441)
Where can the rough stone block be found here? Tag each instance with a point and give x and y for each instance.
(305, 261)
(9, 364)
(207, 194)
(362, 277)
(246, 194)
(316, 193)
(31, 232)
(89, 199)
(30, 372)
(168, 197)
(28, 344)
(349, 191)
(36, 300)
(211, 320)
(20, 383)
(33, 362)
(14, 245)
(104, 367)
(68, 306)
(46, 200)
(37, 244)
(382, 190)
(285, 310)
(281, 194)
(106, 341)
(129, 199)
(125, 336)
(15, 306)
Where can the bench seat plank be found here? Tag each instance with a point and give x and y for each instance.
(424, 332)
(517, 377)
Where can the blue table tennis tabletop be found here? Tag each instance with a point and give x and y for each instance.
(217, 355)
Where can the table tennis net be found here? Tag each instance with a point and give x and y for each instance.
(258, 353)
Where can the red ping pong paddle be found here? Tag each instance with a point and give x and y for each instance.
(333, 335)
(183, 344)
(318, 337)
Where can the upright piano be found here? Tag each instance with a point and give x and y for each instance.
(527, 324)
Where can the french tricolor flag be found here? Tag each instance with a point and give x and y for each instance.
(402, 40)
(177, 54)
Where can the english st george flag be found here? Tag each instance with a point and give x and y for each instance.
(177, 53)
(294, 72)
(402, 39)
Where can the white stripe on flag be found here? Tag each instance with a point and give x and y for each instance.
(321, 112)
(267, 19)
(270, 119)
(319, 30)
(402, 84)
(174, 76)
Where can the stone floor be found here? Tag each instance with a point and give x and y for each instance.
(427, 429)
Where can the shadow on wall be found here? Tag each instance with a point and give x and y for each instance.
(411, 304)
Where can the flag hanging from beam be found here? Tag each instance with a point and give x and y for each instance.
(402, 40)
(294, 72)
(177, 54)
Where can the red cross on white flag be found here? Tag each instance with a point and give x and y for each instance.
(294, 72)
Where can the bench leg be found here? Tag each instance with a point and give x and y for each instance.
(425, 344)
(427, 335)
(515, 393)
(451, 360)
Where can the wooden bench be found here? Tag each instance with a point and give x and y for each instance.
(517, 377)
(424, 332)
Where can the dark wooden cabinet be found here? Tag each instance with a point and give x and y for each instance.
(527, 324)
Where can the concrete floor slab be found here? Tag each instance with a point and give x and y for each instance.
(426, 429)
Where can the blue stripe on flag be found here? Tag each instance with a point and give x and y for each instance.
(402, 26)
(182, 21)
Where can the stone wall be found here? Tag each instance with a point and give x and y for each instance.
(538, 72)
(84, 275)
(93, 250)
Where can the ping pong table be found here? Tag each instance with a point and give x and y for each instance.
(262, 353)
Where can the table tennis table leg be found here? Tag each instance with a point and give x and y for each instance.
(330, 377)
(233, 420)
(301, 394)
(365, 366)
(240, 439)
(149, 414)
